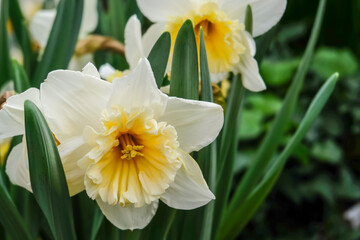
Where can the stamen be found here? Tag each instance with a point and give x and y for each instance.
(129, 148)
(131, 151)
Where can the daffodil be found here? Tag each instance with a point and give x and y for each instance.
(42, 22)
(126, 143)
(229, 47)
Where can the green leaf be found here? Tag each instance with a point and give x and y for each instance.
(117, 13)
(249, 20)
(239, 216)
(206, 88)
(159, 56)
(62, 40)
(22, 35)
(273, 136)
(184, 70)
(47, 175)
(328, 152)
(277, 73)
(268, 104)
(327, 60)
(5, 62)
(210, 152)
(21, 81)
(228, 146)
(98, 219)
(10, 218)
(251, 124)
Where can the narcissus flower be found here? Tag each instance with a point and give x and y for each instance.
(229, 47)
(126, 143)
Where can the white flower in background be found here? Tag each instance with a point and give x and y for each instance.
(126, 143)
(41, 25)
(229, 47)
(136, 47)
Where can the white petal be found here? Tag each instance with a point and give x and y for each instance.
(106, 70)
(151, 36)
(91, 70)
(138, 89)
(78, 62)
(89, 18)
(17, 166)
(72, 100)
(9, 127)
(249, 69)
(41, 24)
(189, 190)
(197, 123)
(266, 13)
(133, 45)
(159, 10)
(128, 217)
(14, 106)
(71, 151)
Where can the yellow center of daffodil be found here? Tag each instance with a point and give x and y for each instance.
(221, 34)
(134, 160)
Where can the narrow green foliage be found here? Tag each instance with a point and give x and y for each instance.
(159, 56)
(21, 81)
(271, 140)
(206, 88)
(117, 10)
(237, 220)
(249, 20)
(47, 175)
(5, 62)
(10, 218)
(184, 70)
(228, 146)
(62, 40)
(98, 220)
(22, 35)
(210, 152)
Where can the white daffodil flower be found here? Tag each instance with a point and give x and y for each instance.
(42, 22)
(229, 47)
(126, 143)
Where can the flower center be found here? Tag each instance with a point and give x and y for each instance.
(133, 160)
(129, 148)
(222, 36)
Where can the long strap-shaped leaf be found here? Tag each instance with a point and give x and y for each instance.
(5, 62)
(22, 35)
(210, 151)
(10, 218)
(21, 81)
(271, 141)
(47, 175)
(184, 70)
(62, 40)
(159, 56)
(237, 219)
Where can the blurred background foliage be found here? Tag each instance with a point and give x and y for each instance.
(321, 180)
